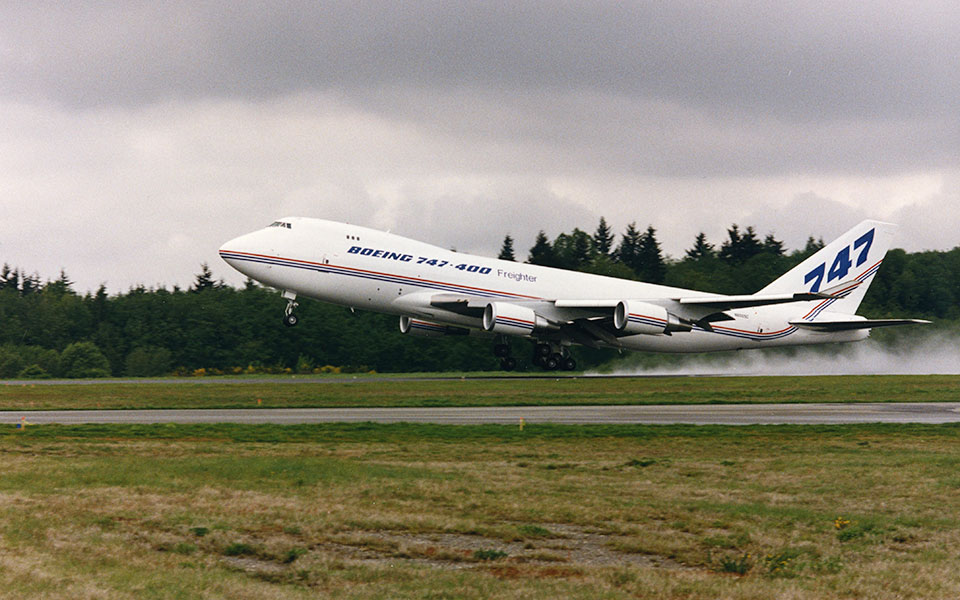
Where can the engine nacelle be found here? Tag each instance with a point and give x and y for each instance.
(511, 319)
(421, 328)
(635, 317)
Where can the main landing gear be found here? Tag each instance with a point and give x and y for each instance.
(290, 319)
(553, 357)
(550, 357)
(502, 351)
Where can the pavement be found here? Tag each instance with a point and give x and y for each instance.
(712, 414)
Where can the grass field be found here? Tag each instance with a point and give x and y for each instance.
(424, 511)
(390, 391)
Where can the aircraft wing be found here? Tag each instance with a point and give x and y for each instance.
(590, 320)
(721, 303)
(850, 324)
(706, 308)
(710, 308)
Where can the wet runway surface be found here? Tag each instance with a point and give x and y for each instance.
(725, 414)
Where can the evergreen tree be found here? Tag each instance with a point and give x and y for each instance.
(603, 238)
(740, 247)
(652, 269)
(506, 250)
(29, 284)
(701, 248)
(204, 280)
(6, 276)
(772, 245)
(573, 251)
(98, 304)
(628, 252)
(542, 251)
(813, 245)
(61, 286)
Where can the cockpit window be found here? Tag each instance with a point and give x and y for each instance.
(281, 224)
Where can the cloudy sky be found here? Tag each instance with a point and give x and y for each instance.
(137, 137)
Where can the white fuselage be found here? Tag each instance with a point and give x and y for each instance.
(373, 270)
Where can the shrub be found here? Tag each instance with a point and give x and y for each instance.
(33, 372)
(305, 364)
(784, 563)
(84, 359)
(148, 361)
(239, 549)
(489, 554)
(739, 565)
(184, 548)
(292, 555)
(10, 362)
(534, 531)
(46, 359)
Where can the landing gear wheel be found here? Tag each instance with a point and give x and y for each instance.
(569, 364)
(542, 350)
(552, 362)
(501, 351)
(508, 363)
(290, 319)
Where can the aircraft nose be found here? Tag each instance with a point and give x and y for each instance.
(240, 250)
(231, 247)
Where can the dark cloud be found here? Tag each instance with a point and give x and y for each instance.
(800, 61)
(676, 88)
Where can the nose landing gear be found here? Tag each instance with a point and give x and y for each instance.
(290, 319)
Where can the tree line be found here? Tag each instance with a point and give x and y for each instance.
(47, 329)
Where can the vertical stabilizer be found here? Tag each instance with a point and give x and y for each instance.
(849, 262)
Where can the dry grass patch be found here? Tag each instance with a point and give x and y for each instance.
(574, 512)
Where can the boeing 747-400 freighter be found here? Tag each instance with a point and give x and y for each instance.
(439, 292)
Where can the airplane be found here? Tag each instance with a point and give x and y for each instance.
(437, 292)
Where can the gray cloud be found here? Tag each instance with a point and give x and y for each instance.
(800, 60)
(138, 136)
(661, 88)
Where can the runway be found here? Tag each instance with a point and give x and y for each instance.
(714, 414)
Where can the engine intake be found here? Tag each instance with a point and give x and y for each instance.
(633, 317)
(511, 319)
(421, 328)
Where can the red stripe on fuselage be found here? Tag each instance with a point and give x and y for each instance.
(413, 280)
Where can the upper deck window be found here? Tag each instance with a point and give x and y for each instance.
(281, 224)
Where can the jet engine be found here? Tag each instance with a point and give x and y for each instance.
(421, 328)
(633, 317)
(511, 319)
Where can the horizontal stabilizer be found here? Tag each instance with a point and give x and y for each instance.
(851, 324)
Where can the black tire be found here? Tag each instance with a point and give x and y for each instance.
(290, 320)
(501, 350)
(508, 363)
(569, 364)
(552, 362)
(542, 350)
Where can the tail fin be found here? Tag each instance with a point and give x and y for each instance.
(847, 263)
